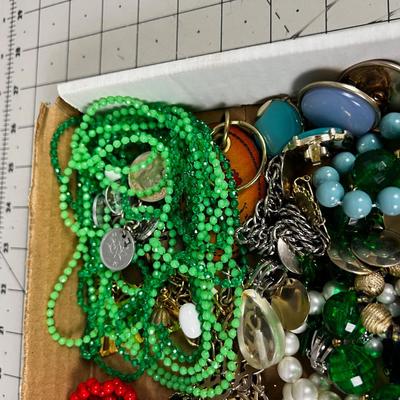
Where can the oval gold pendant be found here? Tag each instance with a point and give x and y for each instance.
(291, 303)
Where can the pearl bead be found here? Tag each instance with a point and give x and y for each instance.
(300, 329)
(388, 295)
(325, 395)
(374, 347)
(390, 126)
(368, 142)
(329, 194)
(292, 343)
(287, 391)
(357, 204)
(189, 321)
(388, 200)
(290, 369)
(343, 162)
(325, 174)
(304, 389)
(397, 287)
(320, 381)
(317, 302)
(330, 288)
(394, 308)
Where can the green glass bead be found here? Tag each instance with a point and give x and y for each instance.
(372, 171)
(342, 317)
(351, 369)
(387, 392)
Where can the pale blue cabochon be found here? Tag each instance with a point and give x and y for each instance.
(331, 106)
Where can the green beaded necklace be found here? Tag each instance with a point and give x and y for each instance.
(199, 211)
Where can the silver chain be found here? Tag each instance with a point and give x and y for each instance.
(273, 219)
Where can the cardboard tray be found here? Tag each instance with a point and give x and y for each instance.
(50, 370)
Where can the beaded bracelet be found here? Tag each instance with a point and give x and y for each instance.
(356, 203)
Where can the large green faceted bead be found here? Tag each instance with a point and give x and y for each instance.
(387, 392)
(372, 171)
(394, 174)
(342, 317)
(351, 369)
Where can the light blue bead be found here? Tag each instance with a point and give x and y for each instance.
(357, 204)
(343, 162)
(388, 200)
(330, 193)
(325, 174)
(390, 126)
(368, 142)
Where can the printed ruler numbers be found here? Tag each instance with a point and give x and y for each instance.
(16, 133)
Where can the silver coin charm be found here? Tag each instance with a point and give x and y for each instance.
(380, 249)
(146, 229)
(113, 201)
(99, 204)
(342, 256)
(117, 249)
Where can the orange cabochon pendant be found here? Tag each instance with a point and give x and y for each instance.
(245, 159)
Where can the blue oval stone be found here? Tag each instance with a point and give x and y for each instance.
(331, 106)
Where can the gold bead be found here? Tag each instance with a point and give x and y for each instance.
(336, 342)
(376, 318)
(394, 270)
(371, 284)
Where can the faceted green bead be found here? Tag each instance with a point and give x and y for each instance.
(372, 171)
(351, 369)
(394, 174)
(342, 317)
(387, 392)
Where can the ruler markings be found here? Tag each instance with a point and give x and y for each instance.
(16, 290)
(7, 112)
(14, 333)
(12, 271)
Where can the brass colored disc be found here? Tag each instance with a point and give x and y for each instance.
(380, 249)
(343, 257)
(291, 303)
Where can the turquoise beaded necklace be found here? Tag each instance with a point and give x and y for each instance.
(199, 211)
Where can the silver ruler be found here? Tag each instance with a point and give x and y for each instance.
(15, 171)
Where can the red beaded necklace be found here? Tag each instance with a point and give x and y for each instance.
(113, 389)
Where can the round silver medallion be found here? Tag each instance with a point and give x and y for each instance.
(117, 249)
(113, 201)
